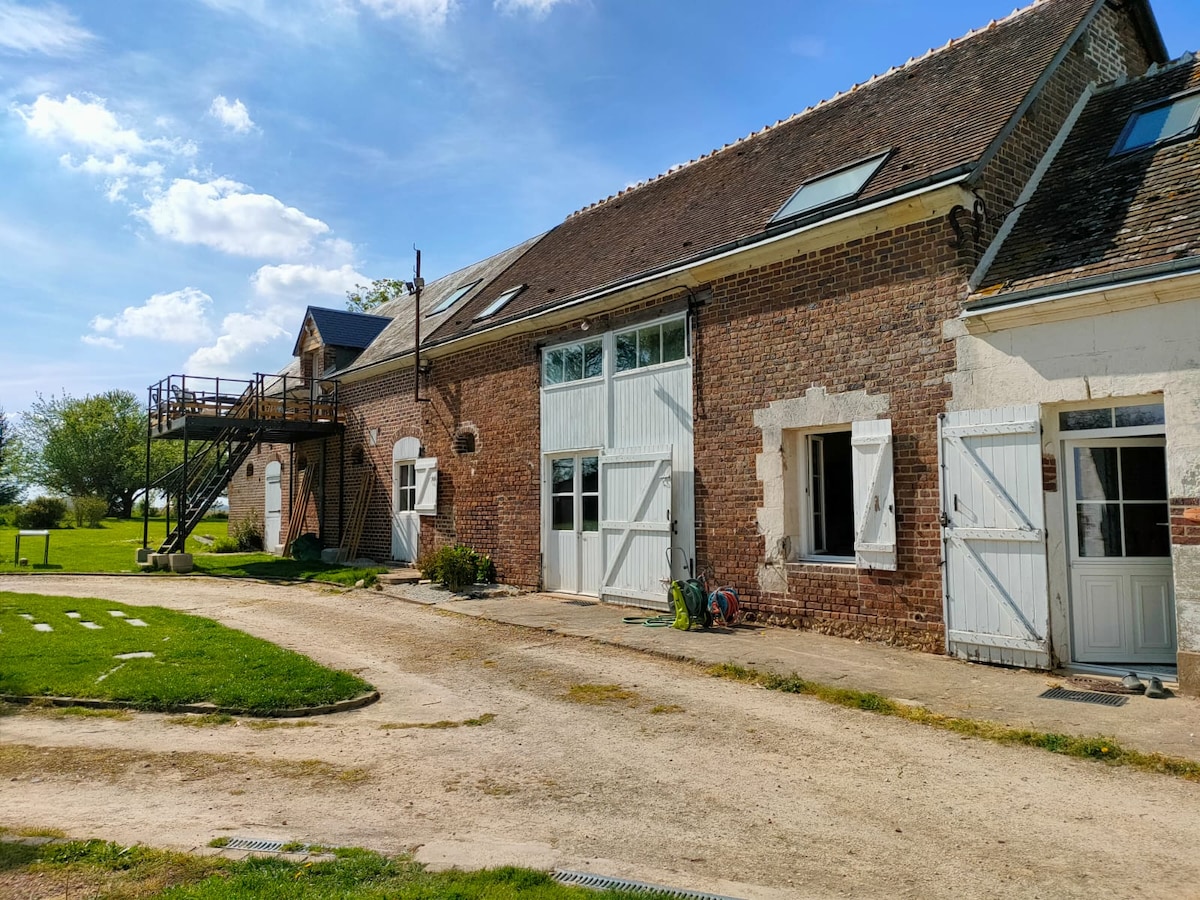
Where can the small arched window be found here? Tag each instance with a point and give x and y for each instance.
(357, 456)
(249, 470)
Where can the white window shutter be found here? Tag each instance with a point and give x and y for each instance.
(874, 495)
(426, 473)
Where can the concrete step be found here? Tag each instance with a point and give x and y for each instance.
(400, 576)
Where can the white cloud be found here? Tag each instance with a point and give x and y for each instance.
(538, 8)
(293, 282)
(91, 125)
(222, 214)
(240, 333)
(120, 166)
(180, 317)
(50, 30)
(99, 340)
(425, 12)
(233, 116)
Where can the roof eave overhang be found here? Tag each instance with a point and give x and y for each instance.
(1097, 295)
(917, 204)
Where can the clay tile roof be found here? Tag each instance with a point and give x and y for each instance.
(937, 114)
(397, 338)
(1094, 214)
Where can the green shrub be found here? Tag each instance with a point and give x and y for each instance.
(456, 566)
(42, 512)
(225, 545)
(219, 515)
(89, 510)
(248, 532)
(8, 513)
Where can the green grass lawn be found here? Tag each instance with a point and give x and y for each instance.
(87, 868)
(109, 548)
(113, 548)
(194, 660)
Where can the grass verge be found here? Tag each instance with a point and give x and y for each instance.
(264, 565)
(1101, 749)
(90, 868)
(110, 548)
(169, 660)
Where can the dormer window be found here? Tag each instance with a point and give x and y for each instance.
(840, 184)
(452, 299)
(1158, 123)
(500, 302)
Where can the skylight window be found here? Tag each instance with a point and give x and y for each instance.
(452, 299)
(500, 302)
(1152, 125)
(840, 184)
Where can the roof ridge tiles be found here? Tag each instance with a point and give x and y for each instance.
(821, 104)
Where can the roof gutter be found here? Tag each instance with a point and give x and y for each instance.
(1092, 284)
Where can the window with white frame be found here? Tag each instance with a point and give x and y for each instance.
(650, 345)
(573, 362)
(842, 507)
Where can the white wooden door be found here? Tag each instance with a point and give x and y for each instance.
(1122, 586)
(273, 511)
(636, 527)
(993, 532)
(572, 523)
(406, 521)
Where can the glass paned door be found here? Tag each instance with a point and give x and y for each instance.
(1122, 600)
(572, 523)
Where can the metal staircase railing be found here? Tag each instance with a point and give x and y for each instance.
(205, 483)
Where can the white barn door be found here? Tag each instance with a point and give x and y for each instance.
(273, 513)
(993, 529)
(636, 527)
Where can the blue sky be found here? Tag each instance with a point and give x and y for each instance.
(180, 178)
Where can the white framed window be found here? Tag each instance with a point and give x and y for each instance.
(842, 507)
(573, 362)
(650, 345)
(840, 184)
(406, 488)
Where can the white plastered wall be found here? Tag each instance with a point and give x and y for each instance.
(780, 422)
(1151, 352)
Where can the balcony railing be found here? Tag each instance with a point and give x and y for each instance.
(272, 398)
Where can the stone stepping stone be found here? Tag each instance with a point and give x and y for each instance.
(141, 654)
(26, 616)
(74, 615)
(116, 614)
(91, 625)
(138, 622)
(41, 626)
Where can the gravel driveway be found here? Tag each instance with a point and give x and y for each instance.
(669, 777)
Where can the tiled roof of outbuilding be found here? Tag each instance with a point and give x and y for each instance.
(342, 328)
(938, 114)
(1095, 214)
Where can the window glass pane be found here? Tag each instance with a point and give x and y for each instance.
(1162, 123)
(593, 359)
(572, 362)
(563, 476)
(1130, 416)
(563, 513)
(829, 188)
(554, 367)
(589, 475)
(838, 468)
(1083, 419)
(649, 346)
(1143, 473)
(626, 351)
(590, 506)
(1099, 529)
(674, 345)
(1147, 532)
(1096, 473)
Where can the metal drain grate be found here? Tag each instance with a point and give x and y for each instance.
(254, 844)
(1084, 697)
(604, 882)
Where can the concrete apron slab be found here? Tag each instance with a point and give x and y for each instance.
(941, 684)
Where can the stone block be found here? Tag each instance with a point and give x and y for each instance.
(333, 555)
(143, 555)
(180, 562)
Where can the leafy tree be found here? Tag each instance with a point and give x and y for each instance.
(365, 298)
(10, 486)
(95, 446)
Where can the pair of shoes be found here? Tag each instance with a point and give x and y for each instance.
(1133, 684)
(1156, 691)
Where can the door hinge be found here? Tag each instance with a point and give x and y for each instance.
(944, 519)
